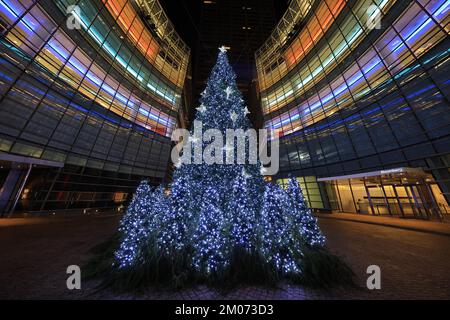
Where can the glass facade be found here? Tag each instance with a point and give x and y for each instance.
(312, 189)
(346, 97)
(93, 84)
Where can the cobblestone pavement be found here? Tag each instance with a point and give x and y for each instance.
(34, 257)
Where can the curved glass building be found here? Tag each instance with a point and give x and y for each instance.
(89, 94)
(358, 91)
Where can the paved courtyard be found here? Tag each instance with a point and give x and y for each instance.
(34, 255)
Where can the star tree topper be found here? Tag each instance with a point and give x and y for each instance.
(178, 163)
(262, 170)
(233, 116)
(228, 91)
(245, 174)
(202, 108)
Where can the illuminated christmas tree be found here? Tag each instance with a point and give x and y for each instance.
(303, 223)
(135, 226)
(242, 215)
(217, 212)
(201, 191)
(211, 250)
(178, 220)
(278, 245)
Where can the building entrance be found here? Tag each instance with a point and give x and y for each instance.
(404, 192)
(14, 174)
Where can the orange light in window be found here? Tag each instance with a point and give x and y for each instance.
(314, 30)
(132, 25)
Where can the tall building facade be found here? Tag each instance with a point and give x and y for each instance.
(358, 91)
(90, 92)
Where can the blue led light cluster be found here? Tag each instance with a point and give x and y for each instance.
(216, 209)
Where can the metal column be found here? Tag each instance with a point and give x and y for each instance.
(19, 192)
